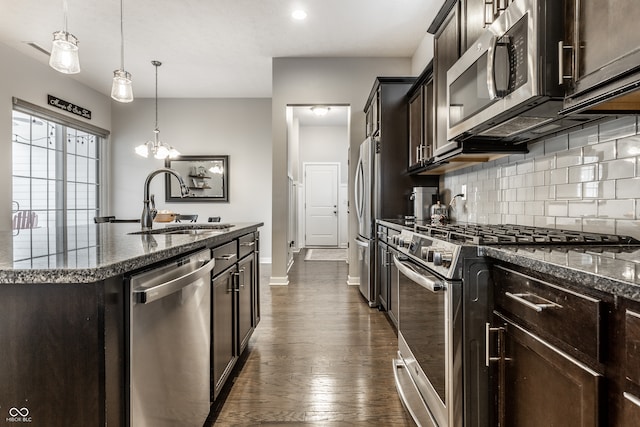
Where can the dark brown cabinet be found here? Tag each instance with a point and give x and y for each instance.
(545, 344)
(223, 355)
(446, 50)
(392, 186)
(416, 130)
(421, 119)
(61, 354)
(235, 305)
(540, 385)
(477, 15)
(372, 115)
(601, 54)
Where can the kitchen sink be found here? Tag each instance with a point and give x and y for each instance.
(188, 229)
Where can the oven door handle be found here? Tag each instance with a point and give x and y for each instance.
(426, 281)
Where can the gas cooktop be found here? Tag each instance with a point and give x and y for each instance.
(505, 234)
(443, 248)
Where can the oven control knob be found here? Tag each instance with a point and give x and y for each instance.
(426, 254)
(442, 258)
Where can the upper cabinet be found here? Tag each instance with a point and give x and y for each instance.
(477, 15)
(372, 115)
(601, 56)
(421, 118)
(446, 50)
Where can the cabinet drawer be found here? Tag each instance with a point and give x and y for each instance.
(632, 345)
(224, 256)
(247, 245)
(550, 310)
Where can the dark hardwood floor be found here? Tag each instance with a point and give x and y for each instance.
(319, 357)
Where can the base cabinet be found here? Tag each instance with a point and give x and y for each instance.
(223, 355)
(541, 385)
(235, 305)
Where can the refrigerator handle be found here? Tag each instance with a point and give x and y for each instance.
(358, 190)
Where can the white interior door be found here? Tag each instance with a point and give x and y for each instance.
(321, 204)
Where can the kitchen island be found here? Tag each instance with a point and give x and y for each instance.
(64, 333)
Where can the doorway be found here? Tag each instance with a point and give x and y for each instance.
(318, 147)
(321, 204)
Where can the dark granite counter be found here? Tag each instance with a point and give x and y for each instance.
(614, 270)
(110, 250)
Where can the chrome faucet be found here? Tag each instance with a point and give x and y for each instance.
(147, 211)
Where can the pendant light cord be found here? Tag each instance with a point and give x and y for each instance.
(121, 35)
(156, 64)
(65, 10)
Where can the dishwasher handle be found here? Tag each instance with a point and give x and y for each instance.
(154, 293)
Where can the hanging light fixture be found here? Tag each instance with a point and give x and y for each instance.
(64, 52)
(121, 89)
(159, 149)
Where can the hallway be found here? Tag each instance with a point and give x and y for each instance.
(319, 357)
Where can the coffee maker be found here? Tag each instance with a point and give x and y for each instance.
(423, 198)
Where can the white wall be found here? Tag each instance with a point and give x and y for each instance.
(422, 55)
(329, 81)
(585, 180)
(239, 128)
(30, 80)
(324, 144)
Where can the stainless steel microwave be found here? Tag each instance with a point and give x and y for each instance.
(509, 82)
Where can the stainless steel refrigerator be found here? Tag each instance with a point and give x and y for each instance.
(365, 241)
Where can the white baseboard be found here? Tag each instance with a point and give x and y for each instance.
(353, 281)
(278, 281)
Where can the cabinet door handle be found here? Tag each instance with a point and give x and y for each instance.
(631, 398)
(561, 75)
(488, 17)
(248, 244)
(227, 257)
(487, 341)
(538, 307)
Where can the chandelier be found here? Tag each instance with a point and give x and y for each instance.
(159, 149)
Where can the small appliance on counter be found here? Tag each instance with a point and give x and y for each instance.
(439, 214)
(423, 198)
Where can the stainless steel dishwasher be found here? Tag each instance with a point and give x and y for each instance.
(169, 343)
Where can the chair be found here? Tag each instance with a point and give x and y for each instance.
(190, 218)
(24, 220)
(103, 219)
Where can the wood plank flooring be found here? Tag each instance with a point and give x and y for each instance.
(319, 357)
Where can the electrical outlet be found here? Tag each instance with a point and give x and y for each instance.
(464, 192)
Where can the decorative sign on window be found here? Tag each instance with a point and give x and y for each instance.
(67, 106)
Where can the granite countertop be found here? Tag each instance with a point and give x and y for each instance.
(109, 251)
(614, 270)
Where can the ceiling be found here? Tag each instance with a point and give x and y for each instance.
(213, 48)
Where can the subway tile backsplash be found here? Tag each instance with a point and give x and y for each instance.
(587, 180)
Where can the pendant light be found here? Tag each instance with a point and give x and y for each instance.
(64, 52)
(121, 89)
(159, 149)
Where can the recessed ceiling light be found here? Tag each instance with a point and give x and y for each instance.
(299, 14)
(320, 110)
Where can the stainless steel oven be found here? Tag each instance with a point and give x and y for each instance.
(429, 325)
(443, 306)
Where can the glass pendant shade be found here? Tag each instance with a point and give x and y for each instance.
(121, 90)
(142, 150)
(64, 53)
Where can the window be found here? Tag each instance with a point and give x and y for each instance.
(56, 187)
